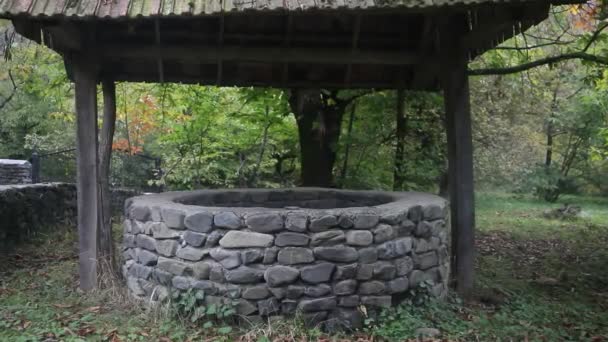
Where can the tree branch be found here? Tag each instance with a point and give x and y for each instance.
(13, 92)
(543, 61)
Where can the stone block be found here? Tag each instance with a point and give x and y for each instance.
(266, 222)
(318, 273)
(190, 253)
(160, 231)
(328, 238)
(195, 239)
(244, 275)
(166, 247)
(241, 239)
(318, 304)
(227, 220)
(359, 238)
(296, 222)
(336, 253)
(291, 239)
(280, 275)
(173, 217)
(366, 221)
(295, 255)
(228, 259)
(201, 222)
(319, 224)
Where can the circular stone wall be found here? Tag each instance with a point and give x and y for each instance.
(322, 252)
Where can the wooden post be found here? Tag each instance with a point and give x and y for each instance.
(105, 248)
(86, 147)
(460, 158)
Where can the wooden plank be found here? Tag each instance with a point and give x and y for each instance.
(260, 54)
(86, 147)
(460, 156)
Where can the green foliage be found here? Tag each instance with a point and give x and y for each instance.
(191, 305)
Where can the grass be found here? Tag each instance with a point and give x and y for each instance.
(537, 280)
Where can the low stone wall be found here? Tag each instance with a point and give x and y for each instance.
(28, 209)
(31, 208)
(275, 257)
(15, 171)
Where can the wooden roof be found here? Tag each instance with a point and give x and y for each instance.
(115, 9)
(279, 43)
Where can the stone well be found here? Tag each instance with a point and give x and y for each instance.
(323, 252)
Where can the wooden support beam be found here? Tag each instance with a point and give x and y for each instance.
(354, 45)
(85, 75)
(259, 54)
(460, 156)
(105, 243)
(65, 37)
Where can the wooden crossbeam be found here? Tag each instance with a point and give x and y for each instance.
(259, 54)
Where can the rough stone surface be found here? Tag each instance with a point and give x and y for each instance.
(345, 287)
(322, 223)
(166, 247)
(201, 270)
(337, 254)
(371, 287)
(368, 255)
(366, 221)
(239, 239)
(281, 275)
(384, 270)
(190, 253)
(296, 222)
(395, 248)
(317, 291)
(251, 256)
(256, 292)
(146, 258)
(227, 220)
(172, 266)
(244, 275)
(383, 232)
(377, 301)
(295, 255)
(269, 306)
(228, 259)
(318, 304)
(161, 231)
(398, 285)
(173, 218)
(359, 238)
(195, 239)
(291, 239)
(145, 242)
(273, 254)
(265, 222)
(319, 273)
(346, 272)
(270, 255)
(199, 222)
(213, 239)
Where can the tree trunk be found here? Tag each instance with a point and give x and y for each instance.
(399, 162)
(86, 146)
(319, 124)
(105, 252)
(351, 120)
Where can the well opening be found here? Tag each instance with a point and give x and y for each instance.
(286, 199)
